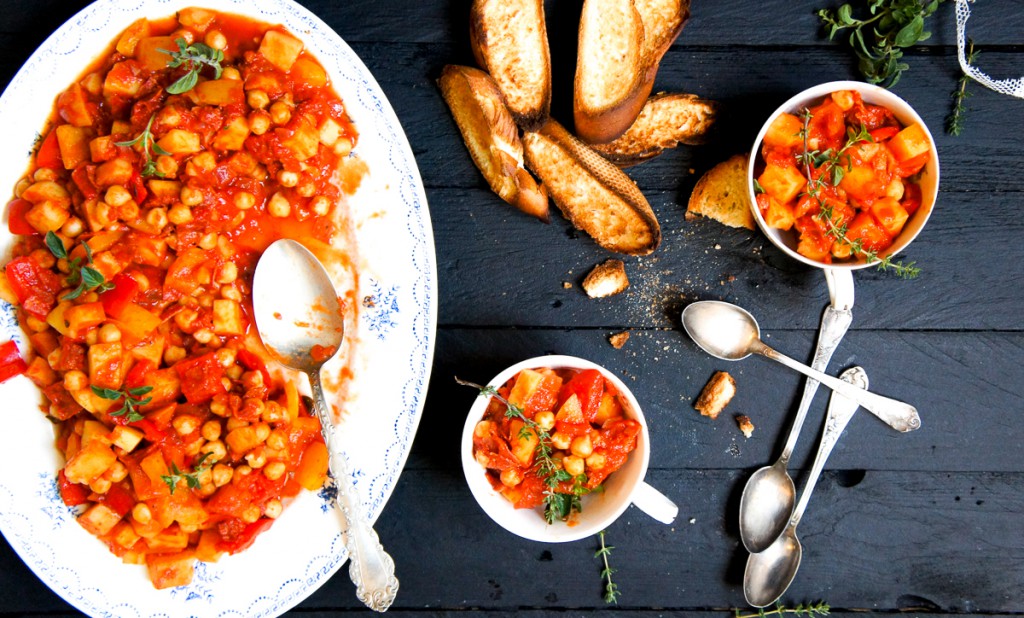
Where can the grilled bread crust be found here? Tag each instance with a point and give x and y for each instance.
(666, 121)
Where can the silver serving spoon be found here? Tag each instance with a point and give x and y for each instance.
(301, 321)
(728, 332)
(769, 573)
(769, 496)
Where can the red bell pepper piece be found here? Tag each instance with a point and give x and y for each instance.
(245, 538)
(118, 499)
(912, 165)
(36, 287)
(11, 363)
(588, 386)
(120, 296)
(48, 155)
(16, 221)
(253, 362)
(200, 378)
(81, 178)
(137, 374)
(72, 494)
(883, 133)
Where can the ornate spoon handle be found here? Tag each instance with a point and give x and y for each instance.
(371, 568)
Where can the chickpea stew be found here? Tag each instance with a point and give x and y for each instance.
(167, 168)
(554, 436)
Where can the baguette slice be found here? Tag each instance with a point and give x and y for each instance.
(492, 137)
(591, 192)
(510, 41)
(611, 82)
(666, 121)
(721, 194)
(663, 21)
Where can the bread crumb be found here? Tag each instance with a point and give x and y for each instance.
(619, 339)
(717, 394)
(743, 421)
(566, 285)
(607, 279)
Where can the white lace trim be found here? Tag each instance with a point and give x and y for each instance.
(1012, 87)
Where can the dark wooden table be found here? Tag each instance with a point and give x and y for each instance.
(928, 522)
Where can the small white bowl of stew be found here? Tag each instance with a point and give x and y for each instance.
(843, 175)
(557, 449)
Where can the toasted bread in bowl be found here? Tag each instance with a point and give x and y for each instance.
(492, 137)
(595, 195)
(665, 121)
(927, 179)
(510, 41)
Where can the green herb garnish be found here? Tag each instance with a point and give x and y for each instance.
(611, 589)
(191, 478)
(557, 506)
(192, 57)
(834, 164)
(83, 276)
(820, 608)
(130, 403)
(879, 39)
(955, 121)
(148, 143)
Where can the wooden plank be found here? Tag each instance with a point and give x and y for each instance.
(963, 285)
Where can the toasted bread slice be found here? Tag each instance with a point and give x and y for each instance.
(666, 121)
(611, 74)
(591, 192)
(510, 41)
(606, 279)
(492, 137)
(717, 394)
(663, 21)
(721, 194)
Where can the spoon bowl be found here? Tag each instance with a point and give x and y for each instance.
(301, 321)
(765, 506)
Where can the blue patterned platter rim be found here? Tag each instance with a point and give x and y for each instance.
(389, 348)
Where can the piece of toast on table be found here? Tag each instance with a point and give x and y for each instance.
(595, 195)
(721, 194)
(510, 41)
(665, 121)
(492, 137)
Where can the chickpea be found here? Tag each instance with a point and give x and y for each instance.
(234, 372)
(211, 431)
(109, 333)
(843, 98)
(482, 459)
(222, 475)
(273, 413)
(280, 112)
(117, 196)
(320, 205)
(216, 40)
(167, 166)
(100, 485)
(306, 189)
(36, 325)
(92, 336)
(75, 380)
(343, 147)
(895, 189)
(72, 227)
(204, 161)
(510, 477)
(257, 98)
(279, 206)
(116, 472)
(545, 419)
(191, 196)
(185, 424)
(560, 440)
(581, 446)
(274, 470)
(277, 440)
(44, 173)
(179, 214)
(573, 465)
(244, 200)
(174, 354)
(216, 449)
(53, 359)
(231, 73)
(184, 33)
(273, 508)
(203, 335)
(157, 218)
(288, 178)
(129, 211)
(208, 241)
(141, 513)
(251, 514)
(234, 423)
(226, 273)
(262, 432)
(259, 122)
(596, 461)
(226, 357)
(240, 473)
(44, 258)
(256, 458)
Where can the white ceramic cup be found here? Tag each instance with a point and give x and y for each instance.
(875, 95)
(623, 487)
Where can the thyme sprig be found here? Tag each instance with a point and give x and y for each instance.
(191, 478)
(83, 276)
(955, 121)
(557, 506)
(147, 143)
(831, 164)
(820, 608)
(611, 589)
(193, 57)
(131, 401)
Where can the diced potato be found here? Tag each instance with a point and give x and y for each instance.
(92, 430)
(868, 231)
(114, 172)
(608, 409)
(228, 318)
(523, 443)
(304, 140)
(778, 215)
(80, 318)
(166, 386)
(102, 149)
(124, 79)
(152, 350)
(171, 570)
(170, 539)
(155, 468)
(124, 536)
(309, 72)
(571, 411)
(147, 52)
(125, 438)
(91, 401)
(782, 183)
(890, 214)
(73, 105)
(99, 519)
(330, 131)
(45, 190)
(48, 216)
(527, 383)
(180, 141)
(106, 364)
(909, 143)
(164, 190)
(241, 440)
(280, 49)
(131, 36)
(40, 372)
(219, 92)
(269, 82)
(814, 246)
(862, 183)
(233, 135)
(207, 550)
(89, 463)
(312, 469)
(74, 144)
(784, 132)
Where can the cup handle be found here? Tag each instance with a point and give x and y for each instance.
(654, 503)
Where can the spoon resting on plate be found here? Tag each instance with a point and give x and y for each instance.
(300, 320)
